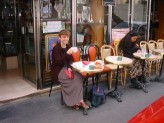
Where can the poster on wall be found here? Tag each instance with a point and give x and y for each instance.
(50, 41)
(52, 26)
(118, 34)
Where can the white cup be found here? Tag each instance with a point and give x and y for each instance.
(74, 49)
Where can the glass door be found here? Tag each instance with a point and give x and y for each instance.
(28, 22)
(53, 16)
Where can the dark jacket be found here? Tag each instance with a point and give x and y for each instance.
(128, 49)
(59, 58)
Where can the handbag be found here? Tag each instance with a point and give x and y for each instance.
(69, 74)
(86, 62)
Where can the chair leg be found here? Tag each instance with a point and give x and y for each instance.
(50, 89)
(150, 67)
(93, 80)
(111, 77)
(125, 75)
(157, 67)
(62, 101)
(107, 80)
(121, 74)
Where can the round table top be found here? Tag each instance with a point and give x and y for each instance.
(161, 51)
(140, 56)
(79, 66)
(114, 60)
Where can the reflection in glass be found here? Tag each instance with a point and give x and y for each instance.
(90, 22)
(139, 23)
(120, 14)
(120, 22)
(56, 9)
(59, 8)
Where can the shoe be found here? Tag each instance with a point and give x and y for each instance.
(143, 79)
(135, 82)
(84, 105)
(85, 111)
(135, 86)
(75, 107)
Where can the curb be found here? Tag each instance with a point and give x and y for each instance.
(38, 92)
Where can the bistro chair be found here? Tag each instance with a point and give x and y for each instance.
(116, 47)
(52, 82)
(107, 50)
(160, 44)
(156, 63)
(76, 57)
(93, 53)
(143, 45)
(151, 46)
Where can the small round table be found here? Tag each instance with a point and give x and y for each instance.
(84, 68)
(143, 58)
(118, 60)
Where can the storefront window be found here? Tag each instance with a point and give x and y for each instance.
(139, 20)
(120, 20)
(90, 22)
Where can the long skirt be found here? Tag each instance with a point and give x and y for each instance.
(135, 68)
(72, 89)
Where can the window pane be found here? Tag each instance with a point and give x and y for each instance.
(140, 18)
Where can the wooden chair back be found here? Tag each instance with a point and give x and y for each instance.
(160, 43)
(107, 50)
(144, 45)
(92, 52)
(76, 56)
(152, 45)
(116, 47)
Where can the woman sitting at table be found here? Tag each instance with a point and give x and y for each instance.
(72, 89)
(128, 45)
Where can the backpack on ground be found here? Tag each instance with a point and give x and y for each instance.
(97, 96)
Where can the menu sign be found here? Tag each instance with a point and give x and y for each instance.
(118, 34)
(52, 26)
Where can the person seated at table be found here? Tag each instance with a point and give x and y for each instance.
(128, 45)
(72, 89)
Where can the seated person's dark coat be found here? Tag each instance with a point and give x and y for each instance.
(129, 49)
(59, 59)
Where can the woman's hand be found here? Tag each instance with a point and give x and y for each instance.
(70, 51)
(138, 51)
(69, 69)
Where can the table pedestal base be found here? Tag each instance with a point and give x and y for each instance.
(115, 94)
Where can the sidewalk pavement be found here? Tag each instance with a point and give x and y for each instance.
(44, 109)
(22, 94)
